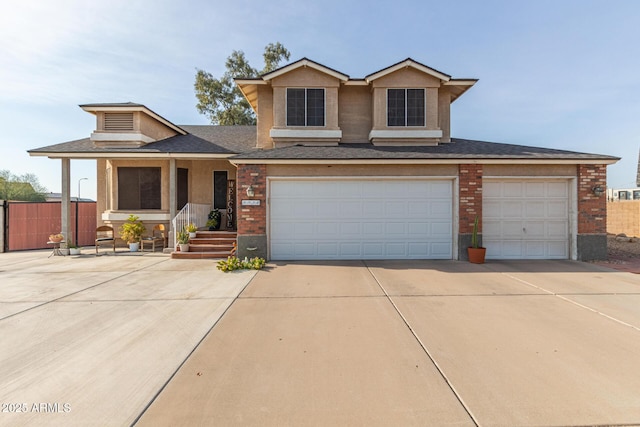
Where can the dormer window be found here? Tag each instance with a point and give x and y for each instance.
(305, 107)
(406, 107)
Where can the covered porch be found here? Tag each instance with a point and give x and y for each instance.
(170, 191)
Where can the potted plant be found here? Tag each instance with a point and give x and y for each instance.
(131, 232)
(183, 240)
(191, 229)
(74, 249)
(475, 251)
(214, 220)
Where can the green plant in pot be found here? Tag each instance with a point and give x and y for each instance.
(131, 232)
(191, 229)
(213, 221)
(183, 240)
(475, 251)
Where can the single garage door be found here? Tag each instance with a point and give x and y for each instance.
(360, 219)
(526, 219)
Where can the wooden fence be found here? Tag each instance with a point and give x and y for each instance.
(29, 224)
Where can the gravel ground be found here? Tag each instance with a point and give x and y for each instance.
(623, 249)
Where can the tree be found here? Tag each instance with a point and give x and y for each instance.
(24, 188)
(221, 100)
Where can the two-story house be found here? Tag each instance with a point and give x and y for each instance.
(348, 168)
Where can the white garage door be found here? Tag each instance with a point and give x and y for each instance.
(360, 219)
(526, 219)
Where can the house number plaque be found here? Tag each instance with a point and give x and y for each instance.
(251, 202)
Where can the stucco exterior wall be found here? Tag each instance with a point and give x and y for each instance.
(362, 170)
(444, 113)
(406, 78)
(530, 170)
(305, 78)
(265, 117)
(355, 114)
(152, 128)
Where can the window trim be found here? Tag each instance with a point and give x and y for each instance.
(424, 118)
(286, 107)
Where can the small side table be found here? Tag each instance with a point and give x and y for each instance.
(56, 248)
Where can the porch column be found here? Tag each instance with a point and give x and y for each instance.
(173, 188)
(173, 199)
(65, 213)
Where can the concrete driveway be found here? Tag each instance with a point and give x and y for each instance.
(417, 343)
(89, 341)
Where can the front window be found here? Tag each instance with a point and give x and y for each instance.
(405, 107)
(305, 107)
(139, 188)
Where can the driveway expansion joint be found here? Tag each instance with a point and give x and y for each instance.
(425, 349)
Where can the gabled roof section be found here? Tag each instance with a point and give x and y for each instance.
(305, 62)
(408, 63)
(130, 106)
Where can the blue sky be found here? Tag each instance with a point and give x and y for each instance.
(561, 74)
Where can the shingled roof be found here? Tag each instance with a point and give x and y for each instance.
(238, 143)
(223, 140)
(456, 149)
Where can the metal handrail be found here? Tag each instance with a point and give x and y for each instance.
(196, 213)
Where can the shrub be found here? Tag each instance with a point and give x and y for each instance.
(233, 263)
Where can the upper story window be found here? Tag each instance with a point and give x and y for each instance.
(405, 107)
(305, 107)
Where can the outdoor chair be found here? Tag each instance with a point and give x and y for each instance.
(104, 235)
(158, 235)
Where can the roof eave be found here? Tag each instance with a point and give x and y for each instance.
(608, 161)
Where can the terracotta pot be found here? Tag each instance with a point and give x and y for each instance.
(476, 255)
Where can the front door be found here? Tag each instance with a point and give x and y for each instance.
(183, 188)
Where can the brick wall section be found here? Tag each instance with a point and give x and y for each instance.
(624, 217)
(470, 192)
(252, 219)
(592, 210)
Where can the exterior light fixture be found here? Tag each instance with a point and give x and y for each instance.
(250, 191)
(598, 190)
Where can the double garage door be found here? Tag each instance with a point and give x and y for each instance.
(413, 219)
(361, 219)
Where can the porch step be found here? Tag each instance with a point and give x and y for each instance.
(209, 244)
(199, 255)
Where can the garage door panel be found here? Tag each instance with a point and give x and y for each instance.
(512, 190)
(534, 189)
(417, 209)
(381, 219)
(440, 209)
(532, 224)
(352, 229)
(439, 189)
(395, 208)
(329, 250)
(557, 228)
(557, 209)
(511, 229)
(535, 209)
(534, 230)
(511, 209)
(558, 190)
